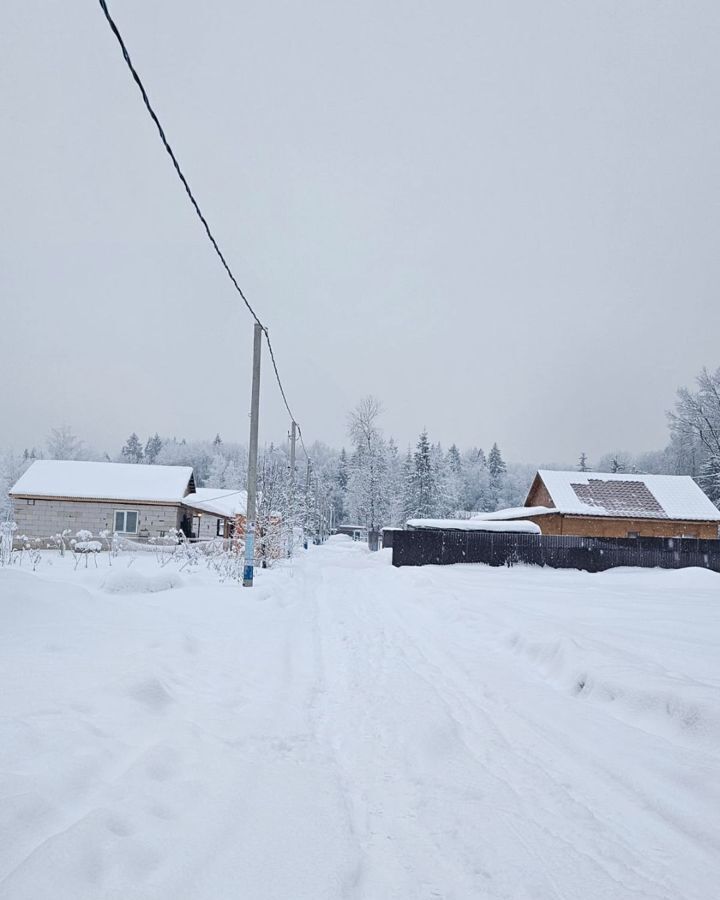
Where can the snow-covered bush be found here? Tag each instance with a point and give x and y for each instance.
(61, 541)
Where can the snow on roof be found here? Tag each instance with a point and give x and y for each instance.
(76, 479)
(513, 512)
(218, 501)
(628, 495)
(475, 525)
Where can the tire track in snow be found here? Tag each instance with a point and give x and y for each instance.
(491, 714)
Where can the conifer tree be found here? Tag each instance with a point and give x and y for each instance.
(582, 465)
(422, 489)
(496, 469)
(132, 452)
(496, 464)
(454, 460)
(340, 487)
(395, 484)
(153, 447)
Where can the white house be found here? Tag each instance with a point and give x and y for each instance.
(136, 501)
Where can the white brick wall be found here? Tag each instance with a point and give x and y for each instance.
(45, 518)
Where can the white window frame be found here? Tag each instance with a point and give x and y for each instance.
(123, 513)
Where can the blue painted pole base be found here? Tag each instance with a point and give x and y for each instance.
(249, 555)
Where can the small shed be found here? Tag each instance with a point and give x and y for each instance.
(215, 512)
(356, 532)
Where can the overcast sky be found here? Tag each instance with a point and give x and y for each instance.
(501, 218)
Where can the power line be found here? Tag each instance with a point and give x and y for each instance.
(302, 442)
(196, 207)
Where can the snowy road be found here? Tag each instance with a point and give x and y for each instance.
(349, 730)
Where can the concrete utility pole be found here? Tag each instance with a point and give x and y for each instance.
(250, 512)
(291, 492)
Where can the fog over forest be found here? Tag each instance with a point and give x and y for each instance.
(371, 480)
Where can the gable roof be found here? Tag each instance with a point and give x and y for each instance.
(628, 495)
(218, 502)
(80, 480)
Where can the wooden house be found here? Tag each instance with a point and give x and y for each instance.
(622, 505)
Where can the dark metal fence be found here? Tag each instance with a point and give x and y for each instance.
(424, 547)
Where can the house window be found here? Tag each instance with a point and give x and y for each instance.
(633, 534)
(220, 531)
(30, 502)
(126, 521)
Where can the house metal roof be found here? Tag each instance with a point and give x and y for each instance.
(628, 495)
(218, 502)
(80, 480)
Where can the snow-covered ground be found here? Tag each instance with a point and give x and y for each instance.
(349, 730)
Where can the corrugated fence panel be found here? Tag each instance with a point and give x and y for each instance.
(424, 547)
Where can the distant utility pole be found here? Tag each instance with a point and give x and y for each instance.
(291, 491)
(250, 512)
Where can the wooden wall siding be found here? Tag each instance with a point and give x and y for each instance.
(539, 495)
(612, 527)
(45, 518)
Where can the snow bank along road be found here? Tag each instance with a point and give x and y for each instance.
(349, 730)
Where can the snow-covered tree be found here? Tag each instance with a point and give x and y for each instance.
(450, 482)
(272, 505)
(366, 497)
(421, 498)
(582, 464)
(395, 485)
(496, 469)
(216, 472)
(340, 487)
(153, 447)
(454, 460)
(12, 466)
(235, 474)
(695, 426)
(495, 463)
(474, 482)
(63, 444)
(132, 450)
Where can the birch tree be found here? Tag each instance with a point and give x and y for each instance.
(366, 496)
(695, 425)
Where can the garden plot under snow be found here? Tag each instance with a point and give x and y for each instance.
(346, 729)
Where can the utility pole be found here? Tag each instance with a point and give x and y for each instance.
(291, 492)
(250, 512)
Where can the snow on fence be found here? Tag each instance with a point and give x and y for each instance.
(440, 547)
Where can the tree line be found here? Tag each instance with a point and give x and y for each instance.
(372, 482)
